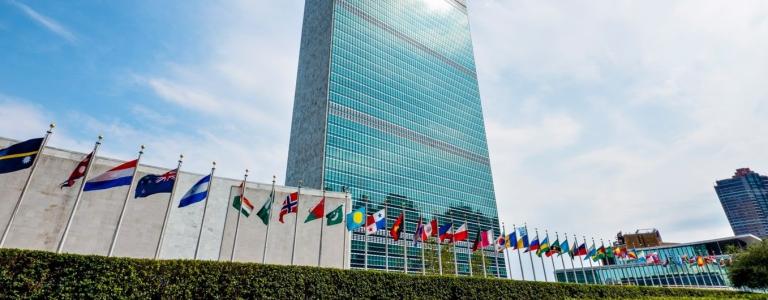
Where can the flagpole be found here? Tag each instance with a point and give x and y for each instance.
(552, 259)
(386, 239)
(519, 256)
(453, 244)
(496, 255)
(506, 250)
(296, 222)
(469, 250)
(205, 210)
(592, 268)
(439, 244)
(38, 156)
(322, 226)
(570, 254)
(159, 247)
(530, 255)
(269, 216)
(237, 225)
(602, 244)
(79, 196)
(482, 249)
(562, 260)
(423, 264)
(365, 231)
(544, 269)
(581, 261)
(405, 246)
(346, 232)
(125, 204)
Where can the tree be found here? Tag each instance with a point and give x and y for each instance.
(750, 267)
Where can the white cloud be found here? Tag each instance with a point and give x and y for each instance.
(47, 22)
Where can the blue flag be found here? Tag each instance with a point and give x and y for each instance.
(153, 184)
(197, 193)
(19, 156)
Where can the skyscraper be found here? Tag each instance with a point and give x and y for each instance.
(745, 200)
(387, 107)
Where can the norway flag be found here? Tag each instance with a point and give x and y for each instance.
(117, 176)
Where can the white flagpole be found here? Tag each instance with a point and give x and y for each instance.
(543, 269)
(551, 259)
(508, 264)
(346, 232)
(237, 225)
(453, 243)
(79, 195)
(296, 222)
(439, 248)
(423, 264)
(386, 240)
(570, 255)
(496, 255)
(562, 260)
(322, 227)
(592, 268)
(405, 242)
(519, 256)
(205, 209)
(269, 221)
(530, 254)
(469, 248)
(168, 209)
(38, 156)
(365, 231)
(125, 203)
(581, 262)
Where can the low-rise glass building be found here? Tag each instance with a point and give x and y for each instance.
(695, 264)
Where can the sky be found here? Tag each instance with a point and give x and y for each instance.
(602, 116)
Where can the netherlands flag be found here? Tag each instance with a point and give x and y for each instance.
(117, 176)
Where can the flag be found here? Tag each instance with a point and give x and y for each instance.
(78, 172)
(631, 254)
(356, 219)
(483, 240)
(512, 237)
(317, 212)
(599, 254)
(154, 184)
(417, 236)
(397, 228)
(543, 246)
(444, 232)
(376, 222)
(19, 156)
(609, 252)
(290, 205)
(197, 193)
(534, 245)
(554, 248)
(460, 234)
(245, 206)
(591, 252)
(700, 261)
(478, 241)
(564, 247)
(266, 209)
(336, 216)
(117, 176)
(499, 242)
(523, 242)
(430, 229)
(507, 240)
(582, 250)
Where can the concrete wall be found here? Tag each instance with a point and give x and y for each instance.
(43, 215)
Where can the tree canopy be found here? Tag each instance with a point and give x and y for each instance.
(750, 267)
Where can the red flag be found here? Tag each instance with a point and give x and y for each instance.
(318, 211)
(78, 172)
(460, 234)
(397, 228)
(434, 227)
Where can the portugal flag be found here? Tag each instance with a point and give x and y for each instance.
(397, 228)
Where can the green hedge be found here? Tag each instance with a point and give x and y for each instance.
(37, 274)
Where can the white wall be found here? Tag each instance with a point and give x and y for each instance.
(42, 217)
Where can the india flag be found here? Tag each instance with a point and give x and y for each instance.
(245, 206)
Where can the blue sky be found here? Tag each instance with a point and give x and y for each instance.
(601, 115)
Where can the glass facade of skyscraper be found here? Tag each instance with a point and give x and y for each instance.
(698, 264)
(402, 125)
(745, 200)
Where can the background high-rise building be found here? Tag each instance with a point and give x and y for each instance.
(745, 200)
(387, 107)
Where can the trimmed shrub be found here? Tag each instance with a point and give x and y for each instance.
(37, 274)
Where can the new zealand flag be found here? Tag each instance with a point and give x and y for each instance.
(154, 184)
